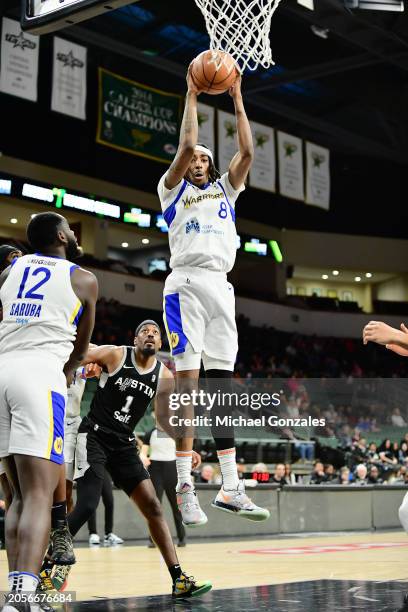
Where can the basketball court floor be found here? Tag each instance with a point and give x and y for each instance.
(317, 573)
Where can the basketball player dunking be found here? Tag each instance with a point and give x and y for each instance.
(48, 317)
(199, 305)
(132, 378)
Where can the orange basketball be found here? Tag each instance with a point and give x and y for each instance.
(210, 75)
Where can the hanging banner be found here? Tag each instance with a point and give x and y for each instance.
(19, 61)
(290, 155)
(263, 170)
(69, 79)
(137, 119)
(227, 140)
(206, 117)
(317, 175)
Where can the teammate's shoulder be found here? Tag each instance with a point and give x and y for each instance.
(84, 275)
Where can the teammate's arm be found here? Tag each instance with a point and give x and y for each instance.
(241, 162)
(85, 286)
(107, 356)
(188, 137)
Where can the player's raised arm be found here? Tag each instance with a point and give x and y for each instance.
(241, 162)
(85, 285)
(188, 137)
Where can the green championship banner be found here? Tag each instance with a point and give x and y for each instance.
(137, 119)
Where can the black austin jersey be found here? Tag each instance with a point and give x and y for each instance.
(123, 396)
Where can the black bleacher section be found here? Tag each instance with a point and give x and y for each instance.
(321, 303)
(390, 308)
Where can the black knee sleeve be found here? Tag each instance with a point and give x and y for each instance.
(219, 382)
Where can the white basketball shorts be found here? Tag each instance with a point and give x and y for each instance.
(33, 393)
(70, 443)
(199, 315)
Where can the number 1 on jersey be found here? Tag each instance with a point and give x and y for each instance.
(128, 404)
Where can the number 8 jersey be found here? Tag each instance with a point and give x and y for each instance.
(201, 222)
(40, 308)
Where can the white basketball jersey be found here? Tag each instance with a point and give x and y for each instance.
(201, 223)
(75, 393)
(40, 308)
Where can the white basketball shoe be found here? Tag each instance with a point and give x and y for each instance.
(237, 502)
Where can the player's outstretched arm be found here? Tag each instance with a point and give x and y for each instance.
(107, 356)
(85, 286)
(188, 136)
(400, 350)
(241, 162)
(381, 333)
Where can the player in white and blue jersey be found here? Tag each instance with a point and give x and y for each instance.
(199, 304)
(48, 317)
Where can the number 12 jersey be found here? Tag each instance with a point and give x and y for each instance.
(40, 308)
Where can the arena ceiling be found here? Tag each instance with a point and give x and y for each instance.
(350, 90)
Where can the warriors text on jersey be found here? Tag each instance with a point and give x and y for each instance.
(40, 308)
(123, 396)
(201, 223)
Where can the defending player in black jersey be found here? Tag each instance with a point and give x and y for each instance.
(132, 377)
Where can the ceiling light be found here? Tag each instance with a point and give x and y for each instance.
(368, 275)
(125, 245)
(145, 241)
(357, 279)
(13, 220)
(325, 276)
(335, 272)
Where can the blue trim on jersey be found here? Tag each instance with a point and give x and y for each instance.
(174, 325)
(14, 261)
(170, 211)
(58, 410)
(53, 256)
(72, 268)
(232, 211)
(79, 315)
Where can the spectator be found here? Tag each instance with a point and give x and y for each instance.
(279, 475)
(387, 454)
(330, 473)
(318, 476)
(397, 419)
(360, 475)
(403, 453)
(290, 478)
(374, 476)
(372, 455)
(395, 450)
(206, 474)
(344, 477)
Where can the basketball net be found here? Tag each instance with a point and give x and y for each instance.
(241, 28)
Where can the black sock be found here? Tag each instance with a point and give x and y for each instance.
(175, 572)
(59, 514)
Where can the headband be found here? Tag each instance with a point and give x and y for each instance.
(205, 150)
(147, 322)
